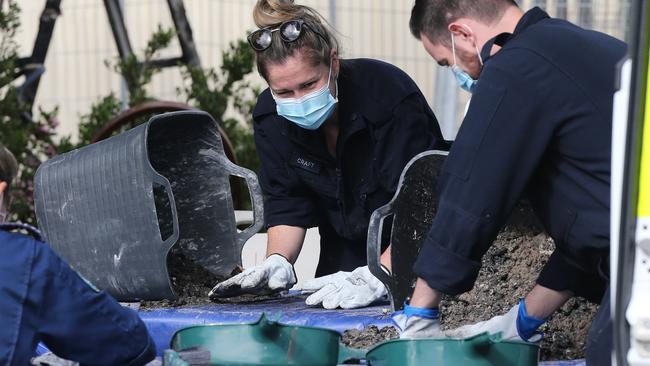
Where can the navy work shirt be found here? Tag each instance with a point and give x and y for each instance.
(539, 124)
(384, 121)
(43, 299)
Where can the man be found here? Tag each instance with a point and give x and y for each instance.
(43, 299)
(539, 126)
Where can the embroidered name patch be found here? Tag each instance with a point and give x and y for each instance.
(306, 164)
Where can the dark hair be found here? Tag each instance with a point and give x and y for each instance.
(432, 17)
(317, 49)
(8, 167)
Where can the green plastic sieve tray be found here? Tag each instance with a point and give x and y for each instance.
(265, 342)
(480, 350)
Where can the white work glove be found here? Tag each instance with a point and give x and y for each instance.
(273, 275)
(515, 325)
(413, 322)
(346, 290)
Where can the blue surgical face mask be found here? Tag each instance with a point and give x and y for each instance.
(311, 110)
(464, 80)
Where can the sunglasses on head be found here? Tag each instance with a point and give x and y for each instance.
(290, 31)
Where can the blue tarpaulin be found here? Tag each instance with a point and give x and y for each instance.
(162, 323)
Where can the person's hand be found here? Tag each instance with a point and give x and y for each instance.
(346, 290)
(515, 325)
(414, 322)
(273, 275)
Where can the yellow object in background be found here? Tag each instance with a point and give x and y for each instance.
(644, 174)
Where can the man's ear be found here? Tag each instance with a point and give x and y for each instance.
(461, 31)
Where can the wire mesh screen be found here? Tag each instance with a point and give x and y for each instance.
(76, 74)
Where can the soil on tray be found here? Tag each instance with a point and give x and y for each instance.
(192, 283)
(510, 269)
(368, 337)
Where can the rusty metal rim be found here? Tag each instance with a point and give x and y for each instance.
(153, 107)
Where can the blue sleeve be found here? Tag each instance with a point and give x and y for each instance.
(500, 144)
(81, 324)
(287, 201)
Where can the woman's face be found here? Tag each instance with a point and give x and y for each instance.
(297, 77)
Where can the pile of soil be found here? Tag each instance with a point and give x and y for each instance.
(509, 270)
(191, 282)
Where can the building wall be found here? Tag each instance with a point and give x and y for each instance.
(76, 74)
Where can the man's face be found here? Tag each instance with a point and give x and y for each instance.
(466, 55)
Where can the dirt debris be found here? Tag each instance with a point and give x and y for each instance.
(368, 337)
(509, 271)
(190, 281)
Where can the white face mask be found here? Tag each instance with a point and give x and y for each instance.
(3, 212)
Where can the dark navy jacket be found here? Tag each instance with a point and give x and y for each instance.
(43, 299)
(384, 121)
(539, 125)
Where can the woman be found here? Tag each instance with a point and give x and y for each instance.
(333, 137)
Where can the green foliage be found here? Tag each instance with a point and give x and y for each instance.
(138, 74)
(100, 113)
(208, 90)
(31, 141)
(9, 23)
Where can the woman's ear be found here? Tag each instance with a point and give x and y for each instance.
(3, 187)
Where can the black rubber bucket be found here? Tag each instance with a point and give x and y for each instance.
(115, 208)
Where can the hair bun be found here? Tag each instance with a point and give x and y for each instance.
(272, 12)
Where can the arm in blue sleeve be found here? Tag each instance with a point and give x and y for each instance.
(80, 323)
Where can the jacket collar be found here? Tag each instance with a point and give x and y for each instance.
(531, 17)
(16, 226)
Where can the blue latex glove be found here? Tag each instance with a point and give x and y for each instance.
(527, 325)
(414, 322)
